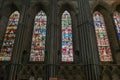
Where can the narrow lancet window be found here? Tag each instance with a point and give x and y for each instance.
(67, 44)
(39, 37)
(102, 37)
(116, 17)
(9, 39)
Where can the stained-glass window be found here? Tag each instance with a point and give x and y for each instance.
(8, 43)
(67, 45)
(102, 38)
(117, 22)
(39, 38)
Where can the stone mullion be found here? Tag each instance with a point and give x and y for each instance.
(75, 40)
(58, 39)
(82, 31)
(18, 47)
(114, 26)
(1, 3)
(23, 22)
(3, 26)
(55, 36)
(84, 49)
(87, 32)
(5, 67)
(53, 6)
(90, 64)
(21, 46)
(94, 55)
(47, 52)
(86, 52)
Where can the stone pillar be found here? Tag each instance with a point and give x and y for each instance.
(88, 41)
(1, 3)
(52, 31)
(3, 24)
(15, 63)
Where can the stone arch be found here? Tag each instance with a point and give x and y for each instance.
(7, 10)
(109, 27)
(27, 35)
(103, 4)
(33, 10)
(72, 11)
(66, 6)
(9, 7)
(116, 6)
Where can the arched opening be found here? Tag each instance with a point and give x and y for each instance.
(102, 37)
(9, 38)
(67, 44)
(116, 17)
(39, 37)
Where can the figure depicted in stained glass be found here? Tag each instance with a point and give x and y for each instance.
(39, 38)
(8, 43)
(117, 22)
(67, 45)
(102, 38)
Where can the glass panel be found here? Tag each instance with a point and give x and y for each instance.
(39, 38)
(67, 45)
(117, 22)
(102, 38)
(8, 43)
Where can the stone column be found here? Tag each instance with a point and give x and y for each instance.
(1, 3)
(3, 24)
(88, 41)
(15, 63)
(52, 31)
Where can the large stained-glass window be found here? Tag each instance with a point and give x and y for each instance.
(117, 22)
(39, 37)
(8, 43)
(67, 45)
(102, 38)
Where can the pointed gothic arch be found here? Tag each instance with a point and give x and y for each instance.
(116, 16)
(102, 37)
(67, 42)
(9, 38)
(39, 37)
